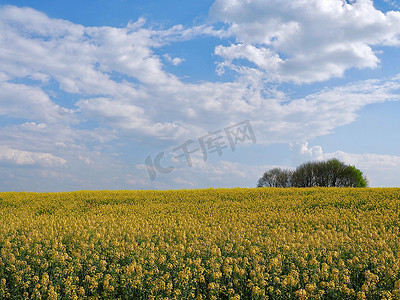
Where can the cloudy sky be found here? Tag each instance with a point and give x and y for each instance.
(142, 94)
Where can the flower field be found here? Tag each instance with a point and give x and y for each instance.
(312, 243)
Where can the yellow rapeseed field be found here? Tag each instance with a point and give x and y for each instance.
(311, 243)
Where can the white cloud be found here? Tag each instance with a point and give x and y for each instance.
(301, 152)
(175, 61)
(368, 160)
(33, 126)
(28, 20)
(317, 114)
(124, 85)
(262, 57)
(117, 64)
(86, 160)
(18, 157)
(305, 41)
(29, 102)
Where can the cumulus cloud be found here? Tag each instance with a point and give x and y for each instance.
(175, 61)
(18, 157)
(301, 152)
(305, 41)
(115, 70)
(29, 102)
(124, 85)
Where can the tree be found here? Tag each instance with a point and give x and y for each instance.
(331, 173)
(319, 173)
(304, 176)
(276, 177)
(353, 177)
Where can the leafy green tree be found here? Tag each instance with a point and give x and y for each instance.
(330, 173)
(353, 177)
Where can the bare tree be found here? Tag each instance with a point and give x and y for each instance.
(276, 177)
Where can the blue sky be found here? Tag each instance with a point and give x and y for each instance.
(110, 94)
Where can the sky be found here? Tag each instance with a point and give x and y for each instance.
(142, 94)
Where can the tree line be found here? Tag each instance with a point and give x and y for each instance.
(330, 173)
